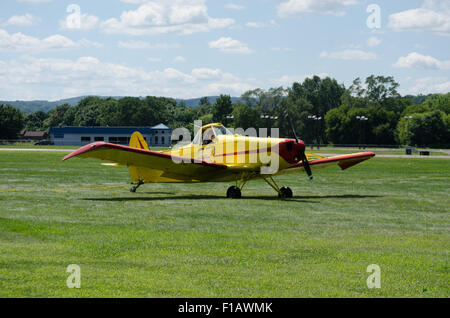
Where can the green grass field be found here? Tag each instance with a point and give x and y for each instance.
(322, 150)
(178, 240)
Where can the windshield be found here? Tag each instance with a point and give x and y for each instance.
(210, 133)
(221, 130)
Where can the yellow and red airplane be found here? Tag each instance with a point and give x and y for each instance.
(216, 155)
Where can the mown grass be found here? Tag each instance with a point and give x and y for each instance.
(178, 240)
(322, 150)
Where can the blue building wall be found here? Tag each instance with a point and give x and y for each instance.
(159, 135)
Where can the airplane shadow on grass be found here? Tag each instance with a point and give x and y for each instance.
(304, 199)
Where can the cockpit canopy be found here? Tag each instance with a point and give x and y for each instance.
(209, 133)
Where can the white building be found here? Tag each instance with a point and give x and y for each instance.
(157, 136)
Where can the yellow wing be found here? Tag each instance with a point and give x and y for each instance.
(153, 166)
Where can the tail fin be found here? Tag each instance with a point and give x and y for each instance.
(138, 141)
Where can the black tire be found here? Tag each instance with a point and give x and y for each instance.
(234, 192)
(133, 189)
(286, 192)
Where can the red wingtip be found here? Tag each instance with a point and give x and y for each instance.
(84, 149)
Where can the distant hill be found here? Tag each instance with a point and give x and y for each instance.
(44, 105)
(193, 102)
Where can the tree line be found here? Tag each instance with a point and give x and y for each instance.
(322, 110)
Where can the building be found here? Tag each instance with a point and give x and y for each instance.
(33, 135)
(157, 136)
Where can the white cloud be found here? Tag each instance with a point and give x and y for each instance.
(416, 60)
(162, 17)
(179, 59)
(286, 49)
(335, 7)
(233, 6)
(87, 43)
(24, 43)
(87, 22)
(229, 45)
(373, 41)
(135, 1)
(349, 55)
(206, 73)
(433, 16)
(261, 24)
(23, 20)
(136, 45)
(38, 78)
(429, 85)
(35, 1)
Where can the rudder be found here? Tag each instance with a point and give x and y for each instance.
(138, 141)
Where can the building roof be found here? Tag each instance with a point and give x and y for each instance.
(100, 130)
(160, 126)
(35, 134)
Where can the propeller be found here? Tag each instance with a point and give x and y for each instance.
(302, 154)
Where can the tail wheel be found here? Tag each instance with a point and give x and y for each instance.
(285, 192)
(234, 192)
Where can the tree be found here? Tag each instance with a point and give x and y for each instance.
(339, 129)
(343, 126)
(438, 102)
(35, 121)
(298, 110)
(204, 111)
(264, 102)
(130, 112)
(379, 88)
(88, 112)
(204, 101)
(323, 95)
(222, 108)
(159, 110)
(11, 122)
(425, 129)
(109, 112)
(244, 116)
(58, 117)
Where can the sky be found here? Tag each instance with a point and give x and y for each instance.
(54, 49)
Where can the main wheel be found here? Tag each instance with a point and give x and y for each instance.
(286, 192)
(234, 192)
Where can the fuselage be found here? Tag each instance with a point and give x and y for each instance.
(238, 150)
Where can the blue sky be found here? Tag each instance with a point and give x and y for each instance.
(191, 48)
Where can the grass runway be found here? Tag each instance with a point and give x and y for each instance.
(188, 240)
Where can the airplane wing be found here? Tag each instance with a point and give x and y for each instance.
(189, 170)
(343, 161)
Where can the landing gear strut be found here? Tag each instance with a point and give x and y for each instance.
(283, 192)
(136, 186)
